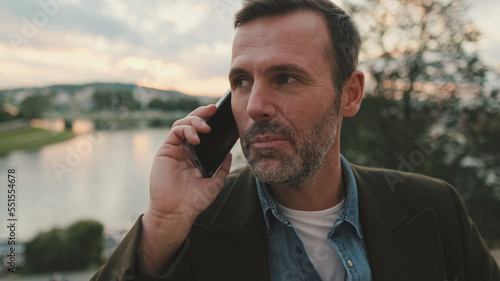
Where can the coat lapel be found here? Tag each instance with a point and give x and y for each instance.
(400, 246)
(239, 245)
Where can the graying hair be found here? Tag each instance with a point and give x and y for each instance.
(345, 41)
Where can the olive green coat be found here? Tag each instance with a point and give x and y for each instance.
(415, 228)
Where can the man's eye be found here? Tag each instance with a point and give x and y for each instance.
(285, 79)
(241, 83)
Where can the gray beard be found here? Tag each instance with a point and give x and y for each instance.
(307, 156)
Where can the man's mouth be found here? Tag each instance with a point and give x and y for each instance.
(267, 141)
(267, 135)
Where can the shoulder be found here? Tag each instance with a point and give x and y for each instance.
(412, 191)
(394, 180)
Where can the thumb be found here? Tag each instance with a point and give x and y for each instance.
(223, 171)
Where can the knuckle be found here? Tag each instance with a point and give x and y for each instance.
(178, 123)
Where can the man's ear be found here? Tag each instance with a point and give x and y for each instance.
(353, 94)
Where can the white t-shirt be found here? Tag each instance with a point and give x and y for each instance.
(313, 228)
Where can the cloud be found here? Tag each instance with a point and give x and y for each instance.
(86, 17)
(108, 40)
(484, 14)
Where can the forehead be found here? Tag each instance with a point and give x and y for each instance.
(301, 34)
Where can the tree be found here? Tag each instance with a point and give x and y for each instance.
(4, 115)
(86, 239)
(114, 100)
(48, 252)
(34, 106)
(414, 48)
(184, 103)
(74, 248)
(156, 104)
(180, 103)
(429, 108)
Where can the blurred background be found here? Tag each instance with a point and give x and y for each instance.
(88, 90)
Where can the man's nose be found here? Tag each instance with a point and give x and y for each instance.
(261, 105)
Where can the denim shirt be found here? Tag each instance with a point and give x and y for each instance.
(288, 259)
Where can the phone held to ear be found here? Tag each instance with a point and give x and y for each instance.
(216, 145)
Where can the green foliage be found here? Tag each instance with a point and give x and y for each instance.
(86, 239)
(428, 108)
(28, 138)
(74, 248)
(451, 139)
(180, 103)
(157, 104)
(34, 106)
(115, 100)
(5, 116)
(408, 44)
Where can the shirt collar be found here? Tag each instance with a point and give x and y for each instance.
(349, 214)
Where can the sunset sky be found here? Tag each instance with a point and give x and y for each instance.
(176, 44)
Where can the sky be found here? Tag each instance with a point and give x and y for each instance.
(182, 45)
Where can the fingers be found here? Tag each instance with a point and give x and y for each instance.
(185, 132)
(204, 111)
(188, 127)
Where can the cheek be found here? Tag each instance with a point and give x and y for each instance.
(241, 117)
(300, 110)
(303, 116)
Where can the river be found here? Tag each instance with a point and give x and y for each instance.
(102, 175)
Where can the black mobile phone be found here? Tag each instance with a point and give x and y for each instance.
(216, 145)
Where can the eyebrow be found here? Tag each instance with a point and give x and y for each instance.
(237, 71)
(287, 67)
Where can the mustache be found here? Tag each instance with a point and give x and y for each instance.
(264, 127)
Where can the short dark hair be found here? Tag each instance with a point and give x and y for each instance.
(344, 36)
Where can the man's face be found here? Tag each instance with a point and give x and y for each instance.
(284, 102)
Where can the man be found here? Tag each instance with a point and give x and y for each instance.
(300, 211)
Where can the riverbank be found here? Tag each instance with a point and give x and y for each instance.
(29, 138)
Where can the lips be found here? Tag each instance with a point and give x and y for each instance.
(267, 138)
(267, 134)
(267, 141)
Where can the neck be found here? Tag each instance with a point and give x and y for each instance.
(322, 190)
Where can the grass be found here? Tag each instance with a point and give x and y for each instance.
(27, 138)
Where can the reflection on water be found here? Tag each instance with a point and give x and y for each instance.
(82, 127)
(101, 175)
(77, 126)
(142, 145)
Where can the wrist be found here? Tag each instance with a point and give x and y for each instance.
(165, 223)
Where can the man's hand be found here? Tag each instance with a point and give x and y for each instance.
(178, 192)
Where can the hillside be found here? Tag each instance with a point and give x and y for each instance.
(81, 98)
